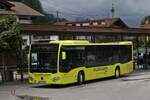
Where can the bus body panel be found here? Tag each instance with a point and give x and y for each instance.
(60, 78)
(90, 72)
(126, 68)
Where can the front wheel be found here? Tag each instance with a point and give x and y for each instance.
(80, 78)
(117, 73)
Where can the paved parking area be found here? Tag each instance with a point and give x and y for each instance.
(105, 89)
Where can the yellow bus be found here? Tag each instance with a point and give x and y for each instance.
(71, 61)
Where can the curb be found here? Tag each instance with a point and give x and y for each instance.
(135, 79)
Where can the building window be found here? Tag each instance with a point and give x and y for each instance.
(69, 24)
(89, 38)
(81, 37)
(41, 37)
(54, 37)
(25, 41)
(95, 23)
(67, 37)
(77, 24)
(2, 7)
(86, 24)
(103, 23)
(25, 20)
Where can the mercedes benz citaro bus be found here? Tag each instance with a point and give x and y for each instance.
(71, 61)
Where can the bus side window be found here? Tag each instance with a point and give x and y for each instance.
(125, 53)
(65, 63)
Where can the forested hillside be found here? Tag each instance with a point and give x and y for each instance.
(35, 4)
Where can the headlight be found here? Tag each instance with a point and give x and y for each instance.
(30, 78)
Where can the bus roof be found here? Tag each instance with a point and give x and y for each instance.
(69, 42)
(84, 42)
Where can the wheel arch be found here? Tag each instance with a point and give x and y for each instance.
(82, 72)
(118, 68)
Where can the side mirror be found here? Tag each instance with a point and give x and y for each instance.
(63, 55)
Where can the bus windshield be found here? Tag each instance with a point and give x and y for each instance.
(43, 58)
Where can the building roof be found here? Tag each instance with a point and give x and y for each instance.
(61, 23)
(107, 22)
(18, 8)
(146, 26)
(6, 3)
(54, 29)
(23, 10)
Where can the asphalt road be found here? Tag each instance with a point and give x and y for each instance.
(106, 89)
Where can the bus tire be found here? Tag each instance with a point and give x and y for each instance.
(117, 72)
(80, 78)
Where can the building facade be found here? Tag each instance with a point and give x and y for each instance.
(24, 14)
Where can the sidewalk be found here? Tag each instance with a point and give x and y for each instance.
(138, 75)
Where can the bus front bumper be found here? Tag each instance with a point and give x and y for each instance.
(44, 78)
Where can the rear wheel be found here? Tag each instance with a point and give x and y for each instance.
(117, 73)
(80, 78)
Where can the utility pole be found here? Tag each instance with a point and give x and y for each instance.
(57, 15)
(113, 11)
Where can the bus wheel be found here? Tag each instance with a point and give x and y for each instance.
(117, 72)
(80, 78)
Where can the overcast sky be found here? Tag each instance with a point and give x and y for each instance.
(131, 11)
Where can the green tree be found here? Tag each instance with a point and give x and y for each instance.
(52, 19)
(145, 20)
(48, 19)
(35, 4)
(10, 37)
